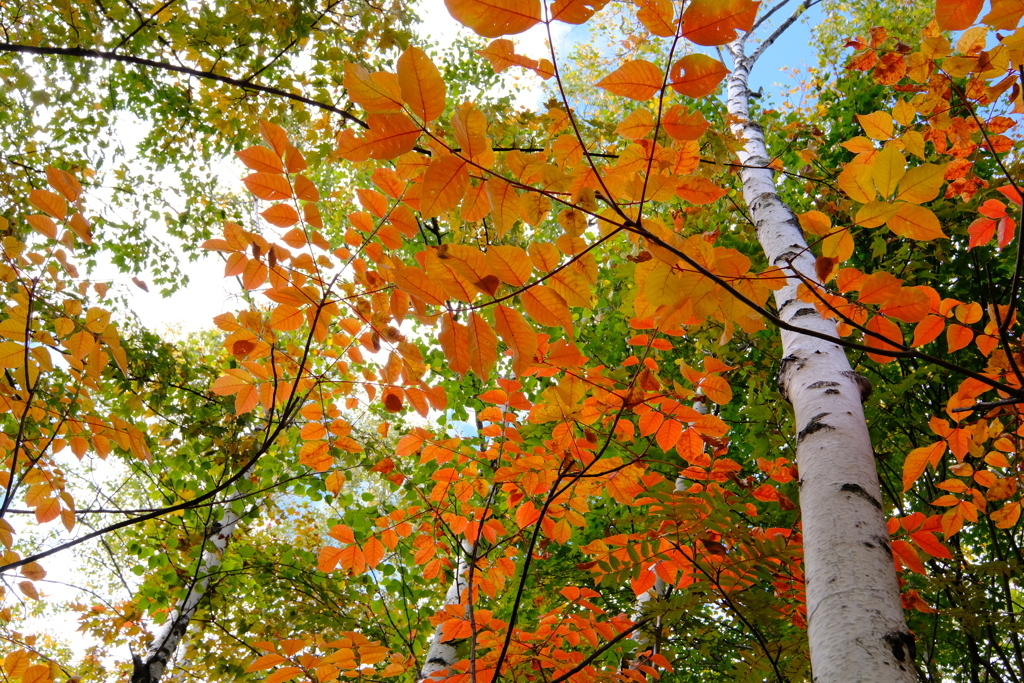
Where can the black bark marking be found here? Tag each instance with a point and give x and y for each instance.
(780, 379)
(832, 391)
(862, 383)
(791, 253)
(857, 490)
(902, 645)
(815, 425)
(884, 544)
(804, 311)
(821, 384)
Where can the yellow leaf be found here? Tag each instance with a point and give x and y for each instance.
(904, 113)
(423, 89)
(877, 126)
(922, 183)
(875, 213)
(377, 93)
(637, 125)
(857, 181)
(637, 80)
(815, 223)
(916, 223)
(887, 168)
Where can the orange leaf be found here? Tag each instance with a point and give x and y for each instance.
(668, 434)
(68, 185)
(377, 93)
(454, 340)
(680, 124)
(483, 346)
(887, 329)
(927, 541)
(910, 305)
(637, 80)
(906, 553)
(505, 205)
(281, 215)
(715, 22)
(444, 184)
(916, 223)
(274, 136)
(286, 318)
(285, 674)
(373, 552)
(575, 11)
(423, 89)
(697, 75)
(547, 307)
(698, 190)
(717, 389)
(956, 15)
(657, 16)
(928, 329)
(494, 18)
(268, 186)
(1006, 516)
(511, 264)
(261, 159)
(265, 662)
(518, 335)
(49, 202)
(918, 459)
(958, 336)
(316, 454)
(415, 282)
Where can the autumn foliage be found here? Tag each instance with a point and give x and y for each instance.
(545, 403)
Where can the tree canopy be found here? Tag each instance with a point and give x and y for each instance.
(656, 380)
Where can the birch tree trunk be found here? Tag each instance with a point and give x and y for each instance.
(151, 668)
(442, 655)
(855, 619)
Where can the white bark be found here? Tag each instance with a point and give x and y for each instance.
(855, 620)
(442, 655)
(152, 667)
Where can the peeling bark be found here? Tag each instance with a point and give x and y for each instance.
(855, 619)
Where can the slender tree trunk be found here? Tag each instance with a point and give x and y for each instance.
(855, 619)
(151, 668)
(443, 655)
